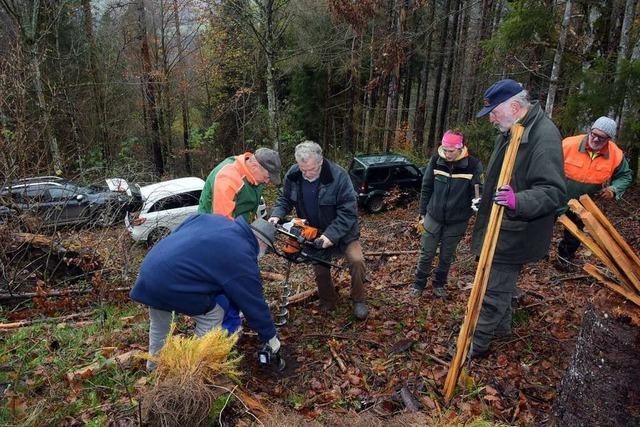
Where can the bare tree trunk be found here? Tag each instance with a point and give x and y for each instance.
(182, 89)
(368, 101)
(390, 121)
(149, 91)
(347, 133)
(557, 60)
(436, 89)
(628, 135)
(623, 48)
(101, 135)
(421, 100)
(448, 74)
(469, 66)
(45, 114)
(274, 133)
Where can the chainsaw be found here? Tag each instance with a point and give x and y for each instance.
(299, 245)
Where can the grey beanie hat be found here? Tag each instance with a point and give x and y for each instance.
(264, 231)
(606, 125)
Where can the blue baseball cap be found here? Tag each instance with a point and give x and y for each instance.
(499, 92)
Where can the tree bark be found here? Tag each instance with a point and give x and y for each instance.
(448, 73)
(601, 385)
(149, 91)
(390, 121)
(470, 62)
(557, 60)
(270, 53)
(101, 132)
(442, 43)
(623, 48)
(421, 100)
(182, 89)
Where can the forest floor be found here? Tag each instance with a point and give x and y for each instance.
(398, 351)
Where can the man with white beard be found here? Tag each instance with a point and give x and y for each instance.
(536, 190)
(206, 256)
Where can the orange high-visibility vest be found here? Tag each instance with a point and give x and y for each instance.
(578, 165)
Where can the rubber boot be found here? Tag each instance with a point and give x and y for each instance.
(439, 282)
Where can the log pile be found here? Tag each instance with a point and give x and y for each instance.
(606, 243)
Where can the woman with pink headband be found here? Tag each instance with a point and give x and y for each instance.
(445, 208)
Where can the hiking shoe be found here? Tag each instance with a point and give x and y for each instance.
(360, 310)
(439, 291)
(416, 292)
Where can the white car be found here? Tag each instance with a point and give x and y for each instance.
(165, 205)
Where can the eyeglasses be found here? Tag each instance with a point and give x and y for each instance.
(598, 137)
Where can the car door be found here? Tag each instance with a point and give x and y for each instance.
(68, 206)
(406, 177)
(377, 178)
(38, 202)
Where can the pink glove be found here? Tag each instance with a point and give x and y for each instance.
(505, 196)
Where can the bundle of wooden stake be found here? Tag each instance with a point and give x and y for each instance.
(604, 241)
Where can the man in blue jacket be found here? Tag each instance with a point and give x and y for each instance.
(322, 193)
(205, 257)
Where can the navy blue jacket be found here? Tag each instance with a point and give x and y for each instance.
(207, 255)
(337, 202)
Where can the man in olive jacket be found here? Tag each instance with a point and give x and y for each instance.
(322, 193)
(537, 189)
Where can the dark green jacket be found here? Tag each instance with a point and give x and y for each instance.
(539, 183)
(448, 188)
(337, 202)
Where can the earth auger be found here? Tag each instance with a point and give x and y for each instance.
(299, 246)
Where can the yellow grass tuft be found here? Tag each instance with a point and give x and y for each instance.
(207, 357)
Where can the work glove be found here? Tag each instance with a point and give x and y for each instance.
(505, 196)
(607, 193)
(475, 203)
(420, 225)
(271, 355)
(274, 220)
(323, 242)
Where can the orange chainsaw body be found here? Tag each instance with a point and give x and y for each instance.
(300, 228)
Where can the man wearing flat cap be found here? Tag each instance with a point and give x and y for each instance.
(183, 275)
(536, 190)
(594, 165)
(234, 187)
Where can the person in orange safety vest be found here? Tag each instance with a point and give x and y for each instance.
(594, 165)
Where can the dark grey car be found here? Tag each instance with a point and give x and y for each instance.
(61, 202)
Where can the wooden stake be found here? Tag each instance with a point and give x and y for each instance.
(589, 204)
(484, 267)
(606, 242)
(597, 251)
(595, 272)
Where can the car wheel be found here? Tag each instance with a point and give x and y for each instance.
(156, 235)
(105, 217)
(375, 204)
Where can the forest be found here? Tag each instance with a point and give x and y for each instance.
(156, 93)
(168, 88)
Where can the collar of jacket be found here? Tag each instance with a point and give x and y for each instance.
(583, 148)
(326, 177)
(462, 160)
(534, 115)
(241, 161)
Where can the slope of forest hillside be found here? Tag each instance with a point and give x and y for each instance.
(398, 351)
